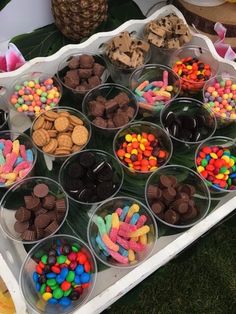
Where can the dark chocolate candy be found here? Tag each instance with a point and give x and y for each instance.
(111, 105)
(73, 63)
(105, 189)
(100, 122)
(86, 61)
(98, 69)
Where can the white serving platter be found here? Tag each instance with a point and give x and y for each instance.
(111, 283)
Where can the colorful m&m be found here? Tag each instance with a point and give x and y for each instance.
(62, 273)
(35, 96)
(217, 165)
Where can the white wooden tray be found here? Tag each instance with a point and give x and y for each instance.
(111, 283)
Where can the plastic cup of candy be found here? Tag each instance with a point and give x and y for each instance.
(122, 232)
(154, 85)
(91, 176)
(141, 148)
(58, 275)
(195, 66)
(110, 107)
(187, 122)
(33, 209)
(219, 96)
(215, 161)
(17, 157)
(34, 93)
(177, 196)
(123, 54)
(79, 73)
(60, 132)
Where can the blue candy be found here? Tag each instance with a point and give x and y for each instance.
(35, 277)
(38, 286)
(52, 301)
(79, 270)
(18, 160)
(59, 279)
(233, 175)
(85, 278)
(77, 280)
(124, 213)
(51, 275)
(64, 301)
(1, 145)
(64, 272)
(58, 251)
(123, 251)
(134, 218)
(101, 245)
(29, 155)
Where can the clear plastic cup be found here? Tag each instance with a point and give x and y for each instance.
(109, 91)
(224, 143)
(14, 199)
(78, 95)
(199, 121)
(154, 73)
(118, 174)
(109, 207)
(27, 285)
(226, 115)
(29, 77)
(120, 74)
(139, 127)
(72, 111)
(184, 176)
(23, 140)
(193, 87)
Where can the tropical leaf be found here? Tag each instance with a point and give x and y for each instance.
(3, 3)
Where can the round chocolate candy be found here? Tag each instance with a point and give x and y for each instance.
(41, 190)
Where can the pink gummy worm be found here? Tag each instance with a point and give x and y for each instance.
(113, 234)
(145, 106)
(118, 257)
(8, 147)
(123, 234)
(111, 245)
(21, 166)
(135, 246)
(157, 83)
(165, 78)
(119, 211)
(123, 242)
(23, 152)
(148, 97)
(127, 227)
(141, 221)
(10, 160)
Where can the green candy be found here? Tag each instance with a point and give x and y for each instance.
(66, 293)
(229, 181)
(51, 282)
(57, 293)
(204, 162)
(101, 225)
(43, 99)
(20, 100)
(75, 247)
(54, 287)
(44, 259)
(108, 223)
(2, 159)
(44, 94)
(222, 83)
(17, 87)
(52, 104)
(39, 254)
(223, 169)
(61, 259)
(43, 288)
(71, 276)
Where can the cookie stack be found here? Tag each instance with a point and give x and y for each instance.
(61, 132)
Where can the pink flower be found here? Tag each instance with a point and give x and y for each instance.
(224, 50)
(11, 60)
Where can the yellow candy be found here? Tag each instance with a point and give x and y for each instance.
(189, 67)
(31, 97)
(143, 140)
(200, 169)
(227, 172)
(9, 176)
(50, 96)
(233, 116)
(67, 262)
(231, 162)
(39, 91)
(131, 255)
(143, 239)
(137, 233)
(142, 147)
(16, 147)
(47, 296)
(226, 158)
(31, 84)
(56, 94)
(115, 223)
(213, 155)
(153, 168)
(169, 88)
(134, 139)
(128, 137)
(127, 155)
(131, 165)
(134, 151)
(226, 177)
(133, 209)
(139, 137)
(233, 86)
(219, 176)
(37, 108)
(9, 182)
(24, 107)
(152, 157)
(47, 108)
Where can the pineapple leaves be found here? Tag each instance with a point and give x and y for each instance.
(47, 40)
(3, 3)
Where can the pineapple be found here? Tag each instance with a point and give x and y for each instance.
(77, 19)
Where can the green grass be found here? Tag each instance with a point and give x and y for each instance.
(202, 280)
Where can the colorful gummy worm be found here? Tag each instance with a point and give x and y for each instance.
(217, 165)
(15, 161)
(193, 73)
(153, 95)
(221, 98)
(122, 234)
(35, 96)
(62, 273)
(142, 152)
